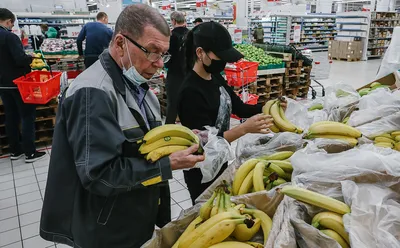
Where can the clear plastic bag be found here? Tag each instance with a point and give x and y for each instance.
(369, 115)
(217, 152)
(384, 125)
(340, 95)
(379, 97)
(391, 60)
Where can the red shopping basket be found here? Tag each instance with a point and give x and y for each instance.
(241, 73)
(39, 87)
(253, 100)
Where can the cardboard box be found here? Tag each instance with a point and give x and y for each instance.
(389, 80)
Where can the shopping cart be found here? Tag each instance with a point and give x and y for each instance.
(320, 70)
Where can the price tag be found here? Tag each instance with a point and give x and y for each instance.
(296, 33)
(73, 31)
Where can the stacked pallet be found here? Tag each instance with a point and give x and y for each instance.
(292, 77)
(158, 87)
(269, 87)
(305, 82)
(44, 126)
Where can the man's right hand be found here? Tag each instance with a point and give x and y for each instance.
(185, 159)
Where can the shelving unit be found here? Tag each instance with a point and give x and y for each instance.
(380, 32)
(275, 29)
(316, 31)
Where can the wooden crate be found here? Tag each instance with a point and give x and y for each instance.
(296, 63)
(292, 71)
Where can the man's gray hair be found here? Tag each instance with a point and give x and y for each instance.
(136, 17)
(178, 17)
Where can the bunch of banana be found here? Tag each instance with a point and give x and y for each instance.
(334, 130)
(262, 173)
(334, 223)
(315, 199)
(164, 140)
(281, 123)
(388, 140)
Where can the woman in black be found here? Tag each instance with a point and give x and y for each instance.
(206, 99)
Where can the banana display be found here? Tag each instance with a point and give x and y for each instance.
(281, 123)
(334, 223)
(221, 223)
(334, 130)
(164, 140)
(388, 140)
(263, 173)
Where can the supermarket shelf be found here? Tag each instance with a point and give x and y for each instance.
(315, 48)
(271, 71)
(320, 37)
(352, 23)
(352, 30)
(382, 27)
(383, 20)
(314, 41)
(351, 16)
(349, 36)
(377, 47)
(380, 38)
(374, 56)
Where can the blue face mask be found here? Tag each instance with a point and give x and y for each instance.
(131, 73)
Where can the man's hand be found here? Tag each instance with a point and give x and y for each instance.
(258, 124)
(185, 159)
(283, 103)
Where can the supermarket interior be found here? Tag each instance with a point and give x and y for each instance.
(206, 123)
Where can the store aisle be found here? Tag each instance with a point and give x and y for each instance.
(22, 188)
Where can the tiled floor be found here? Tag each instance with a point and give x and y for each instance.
(21, 197)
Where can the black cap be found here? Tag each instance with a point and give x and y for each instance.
(197, 20)
(216, 38)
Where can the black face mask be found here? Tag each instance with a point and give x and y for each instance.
(216, 66)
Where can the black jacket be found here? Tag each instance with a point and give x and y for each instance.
(14, 63)
(101, 193)
(176, 63)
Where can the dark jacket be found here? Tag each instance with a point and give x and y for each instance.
(98, 37)
(176, 63)
(14, 63)
(101, 193)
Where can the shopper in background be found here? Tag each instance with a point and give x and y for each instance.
(98, 37)
(259, 34)
(197, 21)
(14, 63)
(206, 99)
(175, 74)
(101, 192)
(49, 32)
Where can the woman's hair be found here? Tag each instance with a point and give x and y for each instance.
(190, 48)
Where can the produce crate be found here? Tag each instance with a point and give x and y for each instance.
(241, 73)
(39, 87)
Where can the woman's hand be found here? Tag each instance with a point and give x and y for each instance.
(283, 103)
(258, 124)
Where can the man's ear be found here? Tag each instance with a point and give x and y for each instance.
(119, 45)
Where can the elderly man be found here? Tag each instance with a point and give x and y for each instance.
(175, 66)
(100, 191)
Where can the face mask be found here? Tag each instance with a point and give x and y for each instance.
(216, 66)
(132, 74)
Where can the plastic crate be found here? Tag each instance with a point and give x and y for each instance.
(253, 100)
(241, 73)
(39, 87)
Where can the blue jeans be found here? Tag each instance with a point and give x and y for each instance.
(18, 112)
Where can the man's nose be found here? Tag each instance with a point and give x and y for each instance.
(159, 63)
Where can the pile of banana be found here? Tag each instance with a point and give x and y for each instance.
(334, 130)
(223, 224)
(262, 173)
(331, 222)
(281, 123)
(164, 140)
(388, 140)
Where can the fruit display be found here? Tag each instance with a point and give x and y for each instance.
(334, 223)
(373, 86)
(334, 130)
(221, 223)
(252, 53)
(60, 46)
(281, 123)
(262, 173)
(164, 140)
(388, 140)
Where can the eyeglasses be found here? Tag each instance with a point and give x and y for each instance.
(152, 57)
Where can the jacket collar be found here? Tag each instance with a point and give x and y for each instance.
(114, 71)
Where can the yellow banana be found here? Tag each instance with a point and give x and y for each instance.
(279, 121)
(247, 184)
(196, 233)
(266, 222)
(215, 208)
(243, 233)
(384, 140)
(170, 130)
(335, 128)
(217, 233)
(397, 146)
(322, 123)
(316, 199)
(165, 141)
(278, 156)
(277, 169)
(266, 110)
(239, 206)
(395, 133)
(384, 144)
(386, 135)
(255, 244)
(241, 174)
(282, 114)
(397, 138)
(163, 151)
(231, 244)
(334, 235)
(352, 141)
(258, 180)
(278, 182)
(206, 208)
(332, 221)
(284, 165)
(188, 229)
